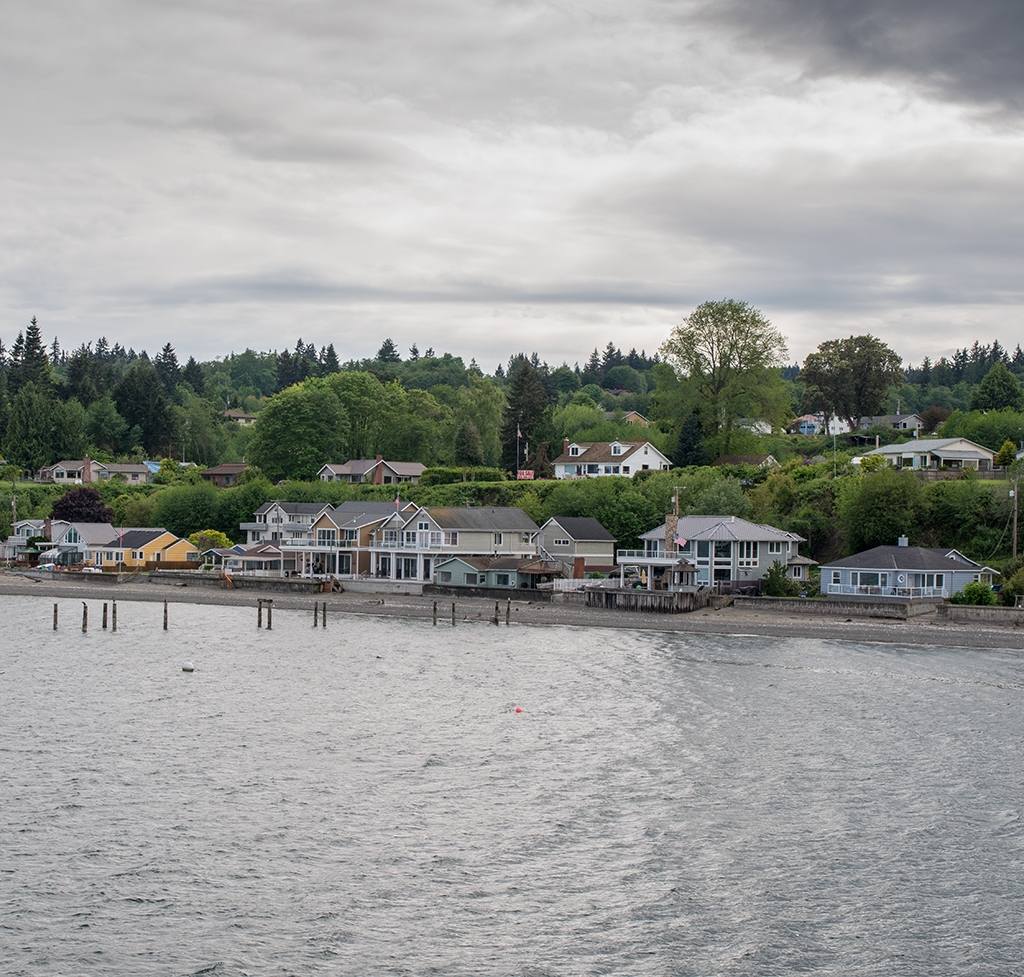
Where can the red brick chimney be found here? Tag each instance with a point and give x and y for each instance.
(578, 564)
(378, 475)
(565, 446)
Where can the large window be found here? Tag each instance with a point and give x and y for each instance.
(747, 556)
(774, 548)
(501, 579)
(326, 537)
(451, 539)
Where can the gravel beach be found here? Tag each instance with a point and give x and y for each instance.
(925, 630)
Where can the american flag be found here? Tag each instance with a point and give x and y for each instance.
(679, 541)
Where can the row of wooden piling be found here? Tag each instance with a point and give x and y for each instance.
(319, 614)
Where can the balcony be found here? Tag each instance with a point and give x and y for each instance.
(913, 593)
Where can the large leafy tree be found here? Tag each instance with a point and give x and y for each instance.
(298, 431)
(728, 354)
(850, 378)
(81, 505)
(998, 389)
(879, 507)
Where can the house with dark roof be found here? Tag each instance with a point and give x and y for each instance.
(376, 470)
(727, 552)
(225, 474)
(596, 459)
(902, 572)
(580, 543)
(496, 573)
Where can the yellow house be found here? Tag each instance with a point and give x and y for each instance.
(132, 549)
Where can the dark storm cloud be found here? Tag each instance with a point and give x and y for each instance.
(963, 50)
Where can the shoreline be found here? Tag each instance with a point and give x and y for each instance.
(926, 630)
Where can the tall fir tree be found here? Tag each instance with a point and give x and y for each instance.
(192, 374)
(167, 369)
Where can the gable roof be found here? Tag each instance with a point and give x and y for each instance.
(908, 558)
(600, 452)
(581, 528)
(485, 518)
(756, 460)
(294, 508)
(936, 446)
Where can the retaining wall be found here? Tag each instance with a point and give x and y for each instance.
(897, 610)
(970, 613)
(278, 585)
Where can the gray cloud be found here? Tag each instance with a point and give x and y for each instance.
(964, 51)
(519, 174)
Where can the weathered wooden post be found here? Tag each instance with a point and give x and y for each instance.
(508, 610)
(259, 612)
(85, 617)
(323, 616)
(453, 613)
(495, 619)
(270, 614)
(165, 615)
(113, 616)
(55, 617)
(316, 612)
(104, 628)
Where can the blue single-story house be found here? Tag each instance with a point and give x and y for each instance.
(902, 572)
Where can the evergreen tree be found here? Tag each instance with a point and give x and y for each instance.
(106, 429)
(329, 361)
(28, 441)
(141, 402)
(388, 352)
(69, 440)
(524, 415)
(414, 353)
(429, 354)
(193, 376)
(167, 369)
(102, 348)
(30, 364)
(690, 444)
(499, 371)
(55, 352)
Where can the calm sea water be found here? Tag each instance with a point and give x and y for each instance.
(366, 800)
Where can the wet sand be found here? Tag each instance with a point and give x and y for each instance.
(925, 630)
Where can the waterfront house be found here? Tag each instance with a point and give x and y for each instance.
(902, 572)
(580, 543)
(496, 573)
(596, 459)
(135, 549)
(727, 552)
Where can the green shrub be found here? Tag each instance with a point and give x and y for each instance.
(974, 593)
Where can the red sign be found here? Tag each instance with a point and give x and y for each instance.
(525, 474)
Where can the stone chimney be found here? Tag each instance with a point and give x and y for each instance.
(86, 470)
(48, 528)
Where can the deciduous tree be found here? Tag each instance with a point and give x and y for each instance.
(81, 505)
(850, 378)
(725, 351)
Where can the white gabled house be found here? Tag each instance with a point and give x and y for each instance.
(596, 459)
(934, 453)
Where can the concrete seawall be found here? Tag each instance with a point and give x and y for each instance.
(895, 610)
(970, 613)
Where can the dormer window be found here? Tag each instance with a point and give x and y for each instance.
(616, 449)
(574, 449)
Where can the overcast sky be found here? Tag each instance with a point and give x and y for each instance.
(489, 176)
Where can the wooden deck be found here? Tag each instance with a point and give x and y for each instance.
(649, 601)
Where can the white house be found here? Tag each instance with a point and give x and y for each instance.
(937, 453)
(595, 459)
(375, 470)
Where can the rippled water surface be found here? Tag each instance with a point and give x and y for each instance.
(365, 799)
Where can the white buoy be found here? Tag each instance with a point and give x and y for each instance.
(188, 667)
